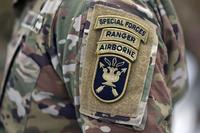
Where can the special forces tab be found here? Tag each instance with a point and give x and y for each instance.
(133, 26)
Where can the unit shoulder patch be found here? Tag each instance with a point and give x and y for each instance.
(120, 53)
(111, 77)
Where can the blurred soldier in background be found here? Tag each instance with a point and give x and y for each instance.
(6, 21)
(190, 20)
(94, 66)
(189, 109)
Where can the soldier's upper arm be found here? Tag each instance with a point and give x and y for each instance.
(130, 65)
(126, 58)
(114, 65)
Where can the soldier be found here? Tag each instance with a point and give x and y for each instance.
(192, 30)
(110, 66)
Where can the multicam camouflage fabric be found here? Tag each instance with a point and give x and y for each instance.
(41, 92)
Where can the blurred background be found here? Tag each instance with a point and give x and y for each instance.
(187, 111)
(6, 24)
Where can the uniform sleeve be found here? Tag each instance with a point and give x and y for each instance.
(176, 70)
(169, 76)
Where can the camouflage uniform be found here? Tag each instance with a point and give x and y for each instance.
(43, 79)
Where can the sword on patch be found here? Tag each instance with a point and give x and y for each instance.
(114, 91)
